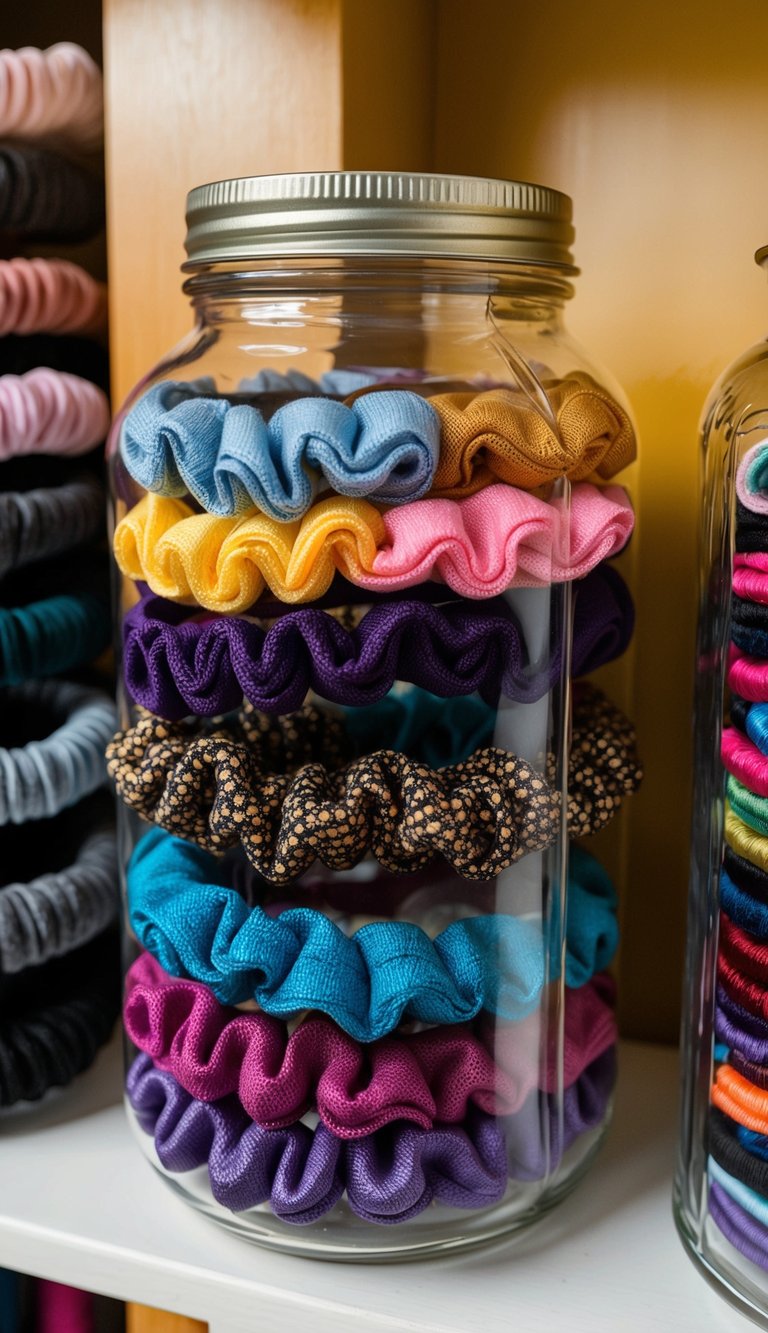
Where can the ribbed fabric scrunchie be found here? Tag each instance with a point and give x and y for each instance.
(44, 196)
(50, 412)
(50, 296)
(52, 93)
(38, 524)
(385, 447)
(41, 777)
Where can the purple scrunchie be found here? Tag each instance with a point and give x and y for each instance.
(175, 666)
(389, 1176)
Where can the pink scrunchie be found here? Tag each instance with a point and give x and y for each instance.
(499, 538)
(54, 93)
(744, 761)
(50, 296)
(754, 499)
(50, 412)
(427, 1077)
(750, 576)
(747, 676)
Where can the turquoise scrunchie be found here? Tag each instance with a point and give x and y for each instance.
(384, 447)
(51, 636)
(436, 731)
(199, 929)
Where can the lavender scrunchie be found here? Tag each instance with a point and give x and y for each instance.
(389, 1176)
(384, 446)
(175, 665)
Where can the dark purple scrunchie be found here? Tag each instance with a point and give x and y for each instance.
(175, 666)
(389, 1176)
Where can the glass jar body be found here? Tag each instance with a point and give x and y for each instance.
(407, 1044)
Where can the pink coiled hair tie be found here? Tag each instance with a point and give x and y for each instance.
(750, 576)
(50, 412)
(747, 676)
(50, 296)
(51, 94)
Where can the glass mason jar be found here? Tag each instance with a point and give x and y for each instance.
(365, 517)
(721, 1189)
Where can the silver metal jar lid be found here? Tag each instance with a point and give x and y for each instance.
(413, 215)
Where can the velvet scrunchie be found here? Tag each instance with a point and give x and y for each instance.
(389, 1176)
(183, 913)
(53, 93)
(219, 789)
(43, 195)
(50, 296)
(230, 460)
(425, 1077)
(55, 1018)
(41, 523)
(49, 412)
(175, 664)
(55, 734)
(495, 540)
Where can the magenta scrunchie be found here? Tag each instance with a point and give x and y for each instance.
(742, 759)
(427, 1077)
(50, 412)
(750, 575)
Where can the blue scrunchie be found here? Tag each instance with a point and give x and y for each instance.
(385, 447)
(197, 928)
(436, 731)
(742, 908)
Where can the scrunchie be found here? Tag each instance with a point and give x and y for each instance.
(196, 927)
(38, 524)
(50, 412)
(70, 889)
(747, 676)
(500, 435)
(43, 195)
(49, 296)
(481, 815)
(41, 777)
(752, 479)
(385, 446)
(174, 666)
(53, 92)
(424, 1077)
(55, 1018)
(482, 546)
(750, 576)
(389, 1176)
(51, 636)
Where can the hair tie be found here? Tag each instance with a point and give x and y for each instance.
(741, 907)
(747, 676)
(752, 1202)
(278, 1075)
(38, 524)
(739, 1228)
(727, 1146)
(751, 718)
(55, 1018)
(744, 956)
(740, 1100)
(751, 809)
(218, 790)
(72, 897)
(389, 1176)
(752, 479)
(481, 546)
(174, 666)
(744, 842)
(750, 576)
(51, 636)
(750, 995)
(230, 459)
(739, 1029)
(49, 412)
(49, 296)
(45, 196)
(751, 530)
(42, 777)
(500, 435)
(746, 632)
(197, 928)
(53, 92)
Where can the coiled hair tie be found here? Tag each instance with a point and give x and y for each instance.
(64, 760)
(740, 1213)
(749, 626)
(174, 666)
(740, 1030)
(747, 676)
(745, 956)
(44, 196)
(742, 759)
(384, 446)
(53, 92)
(278, 1075)
(752, 719)
(50, 412)
(751, 533)
(182, 912)
(389, 1176)
(50, 296)
(481, 546)
(69, 893)
(752, 479)
(741, 907)
(55, 1018)
(744, 842)
(750, 576)
(726, 1142)
(38, 524)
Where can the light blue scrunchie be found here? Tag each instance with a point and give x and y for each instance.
(368, 982)
(384, 447)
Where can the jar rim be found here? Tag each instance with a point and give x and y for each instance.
(379, 213)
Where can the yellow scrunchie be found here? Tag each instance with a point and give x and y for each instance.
(498, 435)
(744, 841)
(224, 564)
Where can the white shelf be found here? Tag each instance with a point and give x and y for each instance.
(79, 1204)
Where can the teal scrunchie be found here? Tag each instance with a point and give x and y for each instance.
(199, 929)
(50, 636)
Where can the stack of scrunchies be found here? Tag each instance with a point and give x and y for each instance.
(336, 994)
(58, 901)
